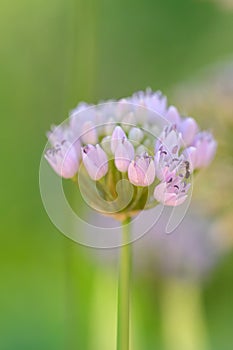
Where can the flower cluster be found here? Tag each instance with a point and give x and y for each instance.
(139, 139)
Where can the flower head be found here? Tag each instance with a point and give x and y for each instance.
(140, 140)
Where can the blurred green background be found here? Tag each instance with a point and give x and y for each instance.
(54, 54)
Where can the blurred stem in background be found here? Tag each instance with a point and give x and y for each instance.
(124, 282)
(183, 323)
(79, 81)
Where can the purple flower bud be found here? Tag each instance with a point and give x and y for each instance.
(124, 153)
(89, 133)
(117, 136)
(64, 159)
(188, 128)
(136, 134)
(173, 115)
(173, 192)
(141, 171)
(205, 149)
(95, 161)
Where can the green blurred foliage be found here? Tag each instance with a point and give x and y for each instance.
(54, 54)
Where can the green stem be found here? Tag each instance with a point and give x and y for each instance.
(124, 289)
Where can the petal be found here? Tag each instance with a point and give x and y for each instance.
(173, 115)
(174, 202)
(150, 174)
(117, 136)
(124, 153)
(190, 154)
(136, 134)
(95, 161)
(188, 129)
(133, 174)
(159, 192)
(89, 133)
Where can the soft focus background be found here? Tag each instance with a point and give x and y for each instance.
(54, 294)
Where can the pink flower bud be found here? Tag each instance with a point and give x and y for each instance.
(117, 136)
(141, 171)
(95, 161)
(173, 115)
(205, 149)
(188, 128)
(124, 153)
(64, 159)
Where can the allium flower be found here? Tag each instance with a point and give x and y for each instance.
(118, 136)
(141, 171)
(173, 115)
(188, 128)
(136, 135)
(64, 159)
(127, 156)
(171, 192)
(122, 149)
(95, 161)
(205, 147)
(139, 139)
(89, 134)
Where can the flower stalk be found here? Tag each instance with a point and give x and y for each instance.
(124, 283)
